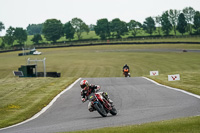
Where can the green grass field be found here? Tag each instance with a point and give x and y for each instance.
(21, 98)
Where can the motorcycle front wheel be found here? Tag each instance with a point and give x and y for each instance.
(100, 109)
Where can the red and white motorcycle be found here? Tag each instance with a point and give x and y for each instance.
(102, 105)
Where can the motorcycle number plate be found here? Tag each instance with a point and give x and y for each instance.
(91, 97)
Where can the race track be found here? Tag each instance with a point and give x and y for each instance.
(137, 100)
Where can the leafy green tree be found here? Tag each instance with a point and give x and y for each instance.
(33, 29)
(36, 38)
(182, 24)
(2, 27)
(79, 26)
(9, 37)
(189, 13)
(149, 25)
(69, 31)
(102, 28)
(20, 35)
(197, 22)
(158, 21)
(119, 27)
(166, 25)
(86, 28)
(134, 26)
(52, 29)
(173, 18)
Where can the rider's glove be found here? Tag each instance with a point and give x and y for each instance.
(83, 100)
(98, 88)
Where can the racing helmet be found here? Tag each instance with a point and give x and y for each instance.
(84, 84)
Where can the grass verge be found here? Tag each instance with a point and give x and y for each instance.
(183, 125)
(21, 98)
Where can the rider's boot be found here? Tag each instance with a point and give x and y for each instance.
(110, 101)
(90, 108)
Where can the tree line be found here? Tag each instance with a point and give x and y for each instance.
(52, 29)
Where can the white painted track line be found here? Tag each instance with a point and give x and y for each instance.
(194, 95)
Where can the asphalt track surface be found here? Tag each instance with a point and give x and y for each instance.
(137, 100)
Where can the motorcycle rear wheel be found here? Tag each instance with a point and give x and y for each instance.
(113, 111)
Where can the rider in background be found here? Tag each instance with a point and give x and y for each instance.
(87, 89)
(126, 71)
(125, 66)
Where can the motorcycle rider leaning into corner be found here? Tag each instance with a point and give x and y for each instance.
(87, 89)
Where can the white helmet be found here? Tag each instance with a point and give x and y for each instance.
(84, 84)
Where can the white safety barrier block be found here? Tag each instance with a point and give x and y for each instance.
(154, 73)
(174, 77)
